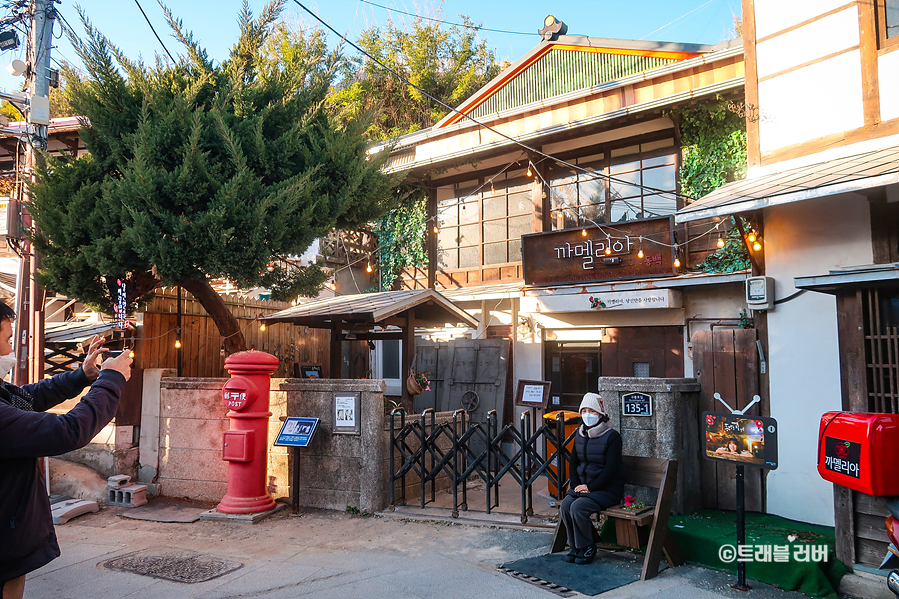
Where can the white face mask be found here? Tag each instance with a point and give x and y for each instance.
(7, 363)
(590, 419)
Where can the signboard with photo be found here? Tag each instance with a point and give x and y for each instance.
(296, 432)
(347, 413)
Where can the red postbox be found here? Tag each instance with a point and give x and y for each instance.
(245, 446)
(858, 450)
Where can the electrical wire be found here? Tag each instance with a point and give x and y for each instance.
(677, 19)
(153, 29)
(441, 21)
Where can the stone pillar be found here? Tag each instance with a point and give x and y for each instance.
(671, 432)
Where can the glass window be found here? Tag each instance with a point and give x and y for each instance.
(468, 257)
(890, 12)
(495, 207)
(495, 253)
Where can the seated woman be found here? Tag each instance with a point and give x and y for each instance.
(597, 478)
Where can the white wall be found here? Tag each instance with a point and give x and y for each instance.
(807, 238)
(888, 67)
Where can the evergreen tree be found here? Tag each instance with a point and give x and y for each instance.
(199, 171)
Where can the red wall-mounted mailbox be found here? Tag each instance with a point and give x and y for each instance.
(858, 450)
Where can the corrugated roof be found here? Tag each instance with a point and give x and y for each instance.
(371, 308)
(874, 168)
(74, 332)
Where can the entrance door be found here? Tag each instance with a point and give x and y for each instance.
(726, 361)
(573, 368)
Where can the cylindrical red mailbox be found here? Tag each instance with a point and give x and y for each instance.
(858, 450)
(245, 446)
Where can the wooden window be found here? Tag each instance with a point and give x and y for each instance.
(881, 318)
(481, 223)
(638, 181)
(887, 23)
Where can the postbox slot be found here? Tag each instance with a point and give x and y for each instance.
(237, 446)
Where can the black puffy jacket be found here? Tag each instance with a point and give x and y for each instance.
(27, 538)
(597, 463)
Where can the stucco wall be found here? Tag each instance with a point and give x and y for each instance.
(807, 238)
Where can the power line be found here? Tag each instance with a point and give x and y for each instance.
(153, 29)
(441, 21)
(677, 19)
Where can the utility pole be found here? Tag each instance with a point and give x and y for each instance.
(30, 331)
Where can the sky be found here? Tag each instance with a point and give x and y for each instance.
(214, 22)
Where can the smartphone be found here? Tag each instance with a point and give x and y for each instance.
(115, 353)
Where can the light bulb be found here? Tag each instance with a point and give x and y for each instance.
(131, 354)
(368, 268)
(464, 211)
(530, 174)
(608, 251)
(333, 286)
(720, 242)
(584, 232)
(640, 253)
(262, 327)
(177, 344)
(751, 237)
(436, 230)
(676, 262)
(757, 246)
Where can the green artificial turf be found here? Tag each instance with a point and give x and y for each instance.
(700, 535)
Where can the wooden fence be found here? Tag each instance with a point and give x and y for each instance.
(201, 342)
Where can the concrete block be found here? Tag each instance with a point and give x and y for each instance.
(126, 495)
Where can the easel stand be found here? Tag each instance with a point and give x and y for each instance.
(741, 503)
(295, 485)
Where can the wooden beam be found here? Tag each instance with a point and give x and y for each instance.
(375, 336)
(336, 352)
(433, 257)
(408, 352)
(756, 266)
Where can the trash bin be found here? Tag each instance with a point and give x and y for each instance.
(572, 420)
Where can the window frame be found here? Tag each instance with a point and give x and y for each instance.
(883, 41)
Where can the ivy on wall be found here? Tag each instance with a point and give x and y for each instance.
(713, 138)
(402, 234)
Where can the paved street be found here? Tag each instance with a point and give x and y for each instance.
(329, 554)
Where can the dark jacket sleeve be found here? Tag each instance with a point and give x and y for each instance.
(53, 391)
(614, 464)
(573, 463)
(34, 434)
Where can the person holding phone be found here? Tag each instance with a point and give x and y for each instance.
(597, 478)
(27, 432)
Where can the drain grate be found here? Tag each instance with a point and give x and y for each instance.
(539, 582)
(177, 567)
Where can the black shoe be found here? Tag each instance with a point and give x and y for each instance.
(585, 555)
(571, 556)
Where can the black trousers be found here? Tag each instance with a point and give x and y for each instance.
(575, 514)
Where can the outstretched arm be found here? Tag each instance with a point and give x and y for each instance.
(53, 391)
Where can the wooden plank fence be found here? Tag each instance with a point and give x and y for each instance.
(201, 343)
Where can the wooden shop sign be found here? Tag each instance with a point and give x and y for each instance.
(607, 252)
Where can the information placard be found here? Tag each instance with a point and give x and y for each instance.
(636, 404)
(533, 394)
(296, 432)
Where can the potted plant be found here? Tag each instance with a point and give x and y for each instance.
(418, 382)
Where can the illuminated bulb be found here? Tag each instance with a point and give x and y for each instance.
(530, 174)
(720, 242)
(640, 253)
(751, 237)
(757, 246)
(464, 211)
(131, 354)
(436, 230)
(608, 251)
(368, 268)
(677, 263)
(262, 327)
(177, 344)
(584, 232)
(333, 286)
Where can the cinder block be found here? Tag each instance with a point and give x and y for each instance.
(127, 496)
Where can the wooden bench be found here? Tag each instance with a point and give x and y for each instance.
(655, 473)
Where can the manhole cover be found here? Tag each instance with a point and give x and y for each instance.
(177, 567)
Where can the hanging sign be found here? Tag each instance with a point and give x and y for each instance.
(8, 40)
(627, 250)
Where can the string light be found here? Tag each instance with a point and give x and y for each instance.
(262, 327)
(368, 268)
(757, 246)
(584, 232)
(177, 344)
(720, 242)
(333, 286)
(608, 251)
(751, 237)
(530, 173)
(640, 253)
(436, 230)
(676, 262)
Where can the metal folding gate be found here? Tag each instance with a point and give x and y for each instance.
(465, 449)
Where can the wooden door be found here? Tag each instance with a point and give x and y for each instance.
(726, 361)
